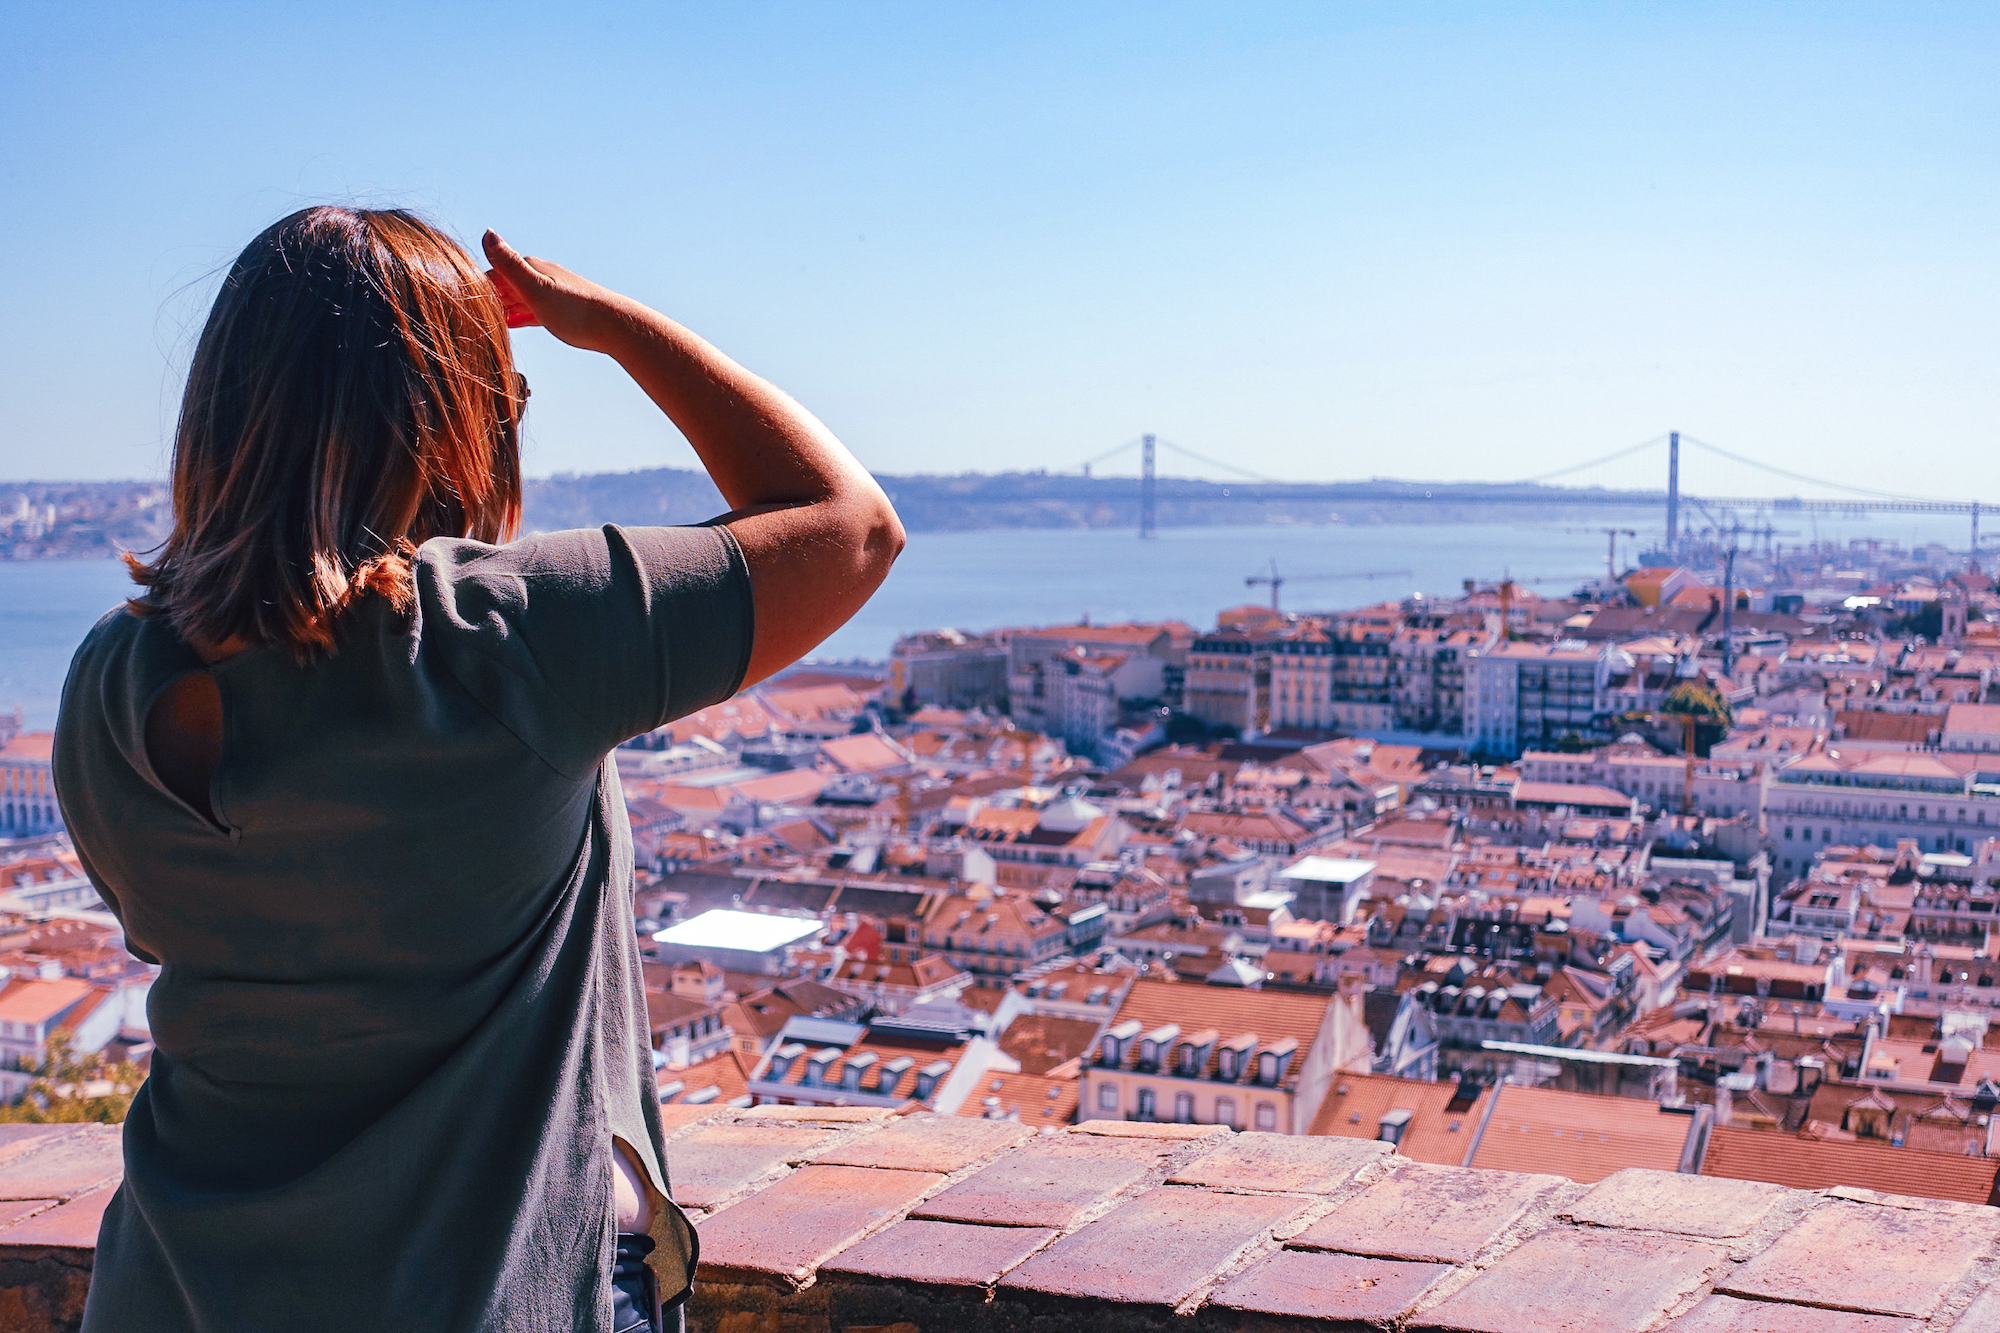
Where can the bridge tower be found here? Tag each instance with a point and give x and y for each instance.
(1673, 493)
(1146, 487)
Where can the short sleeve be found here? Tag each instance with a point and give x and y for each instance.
(581, 640)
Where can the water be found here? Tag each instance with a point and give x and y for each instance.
(985, 580)
(46, 607)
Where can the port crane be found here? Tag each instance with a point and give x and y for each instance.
(1277, 580)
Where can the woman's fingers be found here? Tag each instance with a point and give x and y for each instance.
(577, 311)
(509, 274)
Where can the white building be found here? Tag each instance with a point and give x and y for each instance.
(1523, 694)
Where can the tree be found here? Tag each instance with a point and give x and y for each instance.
(1699, 702)
(72, 1088)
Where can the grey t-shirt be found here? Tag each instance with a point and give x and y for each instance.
(400, 1014)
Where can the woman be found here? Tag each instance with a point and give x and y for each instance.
(342, 772)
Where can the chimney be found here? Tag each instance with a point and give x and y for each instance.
(1393, 1125)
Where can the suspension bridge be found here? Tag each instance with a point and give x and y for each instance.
(1677, 503)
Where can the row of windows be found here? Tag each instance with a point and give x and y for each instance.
(1145, 1106)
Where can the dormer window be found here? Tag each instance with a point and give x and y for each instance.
(1235, 1057)
(929, 1077)
(1157, 1046)
(891, 1074)
(1112, 1047)
(817, 1066)
(1193, 1055)
(781, 1061)
(1273, 1064)
(856, 1066)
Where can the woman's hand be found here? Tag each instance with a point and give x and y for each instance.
(537, 292)
(817, 532)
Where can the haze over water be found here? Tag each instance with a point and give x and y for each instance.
(1019, 576)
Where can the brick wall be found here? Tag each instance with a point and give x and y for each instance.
(840, 1220)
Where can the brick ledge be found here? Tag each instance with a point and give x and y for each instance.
(817, 1223)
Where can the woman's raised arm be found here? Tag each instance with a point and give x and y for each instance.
(818, 533)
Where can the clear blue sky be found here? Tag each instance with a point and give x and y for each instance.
(1317, 240)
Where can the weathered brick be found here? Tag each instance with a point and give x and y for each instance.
(785, 1231)
(752, 1321)
(73, 1224)
(70, 1165)
(832, 1115)
(946, 1254)
(1281, 1162)
(1312, 1285)
(1577, 1281)
(674, 1118)
(1437, 1213)
(708, 1165)
(930, 1143)
(1147, 1129)
(13, 1210)
(1726, 1314)
(20, 1140)
(1048, 1183)
(1982, 1316)
(1155, 1249)
(42, 1295)
(1852, 1256)
(1669, 1201)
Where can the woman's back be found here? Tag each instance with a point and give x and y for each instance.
(365, 979)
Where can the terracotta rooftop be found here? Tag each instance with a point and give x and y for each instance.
(1442, 1127)
(1227, 1012)
(831, 1220)
(1033, 1099)
(1581, 1136)
(1804, 1163)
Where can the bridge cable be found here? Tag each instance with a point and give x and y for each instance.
(1811, 481)
(1108, 453)
(1226, 467)
(1578, 467)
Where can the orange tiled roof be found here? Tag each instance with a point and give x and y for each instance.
(1230, 1011)
(1354, 1108)
(30, 1000)
(1811, 1164)
(1036, 1098)
(721, 1070)
(30, 746)
(1578, 1134)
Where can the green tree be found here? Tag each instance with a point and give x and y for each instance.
(72, 1088)
(1701, 701)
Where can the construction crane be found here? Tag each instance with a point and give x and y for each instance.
(1506, 587)
(1611, 536)
(1277, 580)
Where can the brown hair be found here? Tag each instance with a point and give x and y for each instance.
(353, 394)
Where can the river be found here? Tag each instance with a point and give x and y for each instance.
(1017, 576)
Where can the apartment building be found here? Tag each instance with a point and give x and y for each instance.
(1195, 1053)
(949, 669)
(998, 934)
(1303, 675)
(1942, 801)
(27, 786)
(1528, 694)
(1228, 680)
(1143, 653)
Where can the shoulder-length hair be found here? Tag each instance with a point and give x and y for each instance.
(353, 394)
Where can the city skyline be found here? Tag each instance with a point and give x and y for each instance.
(1320, 245)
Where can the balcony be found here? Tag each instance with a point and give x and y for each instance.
(828, 1220)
